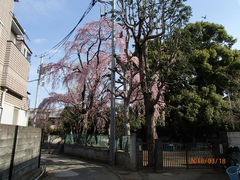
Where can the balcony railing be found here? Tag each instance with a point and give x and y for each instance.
(16, 69)
(27, 57)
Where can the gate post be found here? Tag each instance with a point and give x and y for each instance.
(13, 153)
(40, 148)
(186, 148)
(159, 155)
(133, 150)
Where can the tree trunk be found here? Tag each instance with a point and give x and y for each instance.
(151, 122)
(126, 106)
(151, 131)
(147, 94)
(126, 119)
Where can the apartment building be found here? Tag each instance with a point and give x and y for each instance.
(14, 68)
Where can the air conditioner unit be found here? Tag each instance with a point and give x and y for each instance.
(20, 37)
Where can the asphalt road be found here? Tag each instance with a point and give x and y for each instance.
(65, 167)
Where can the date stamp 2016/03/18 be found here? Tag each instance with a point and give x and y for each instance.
(207, 161)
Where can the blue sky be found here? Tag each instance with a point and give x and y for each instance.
(46, 22)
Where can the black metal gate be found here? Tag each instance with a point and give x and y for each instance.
(198, 155)
(179, 155)
(145, 155)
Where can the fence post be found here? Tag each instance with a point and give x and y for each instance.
(159, 155)
(133, 150)
(155, 157)
(186, 155)
(40, 148)
(13, 153)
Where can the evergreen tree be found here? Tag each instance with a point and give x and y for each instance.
(208, 71)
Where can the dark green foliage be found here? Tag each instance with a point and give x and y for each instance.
(70, 121)
(136, 118)
(207, 72)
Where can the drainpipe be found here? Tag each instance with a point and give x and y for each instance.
(2, 103)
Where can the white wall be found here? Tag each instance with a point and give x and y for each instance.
(11, 117)
(7, 116)
(233, 138)
(23, 117)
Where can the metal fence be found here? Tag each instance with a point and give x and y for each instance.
(198, 155)
(145, 155)
(100, 141)
(122, 143)
(179, 155)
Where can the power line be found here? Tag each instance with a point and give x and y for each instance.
(46, 89)
(61, 43)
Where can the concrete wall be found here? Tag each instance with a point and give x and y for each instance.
(6, 145)
(124, 159)
(89, 153)
(233, 138)
(26, 156)
(101, 155)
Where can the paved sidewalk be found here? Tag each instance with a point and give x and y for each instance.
(65, 167)
(173, 174)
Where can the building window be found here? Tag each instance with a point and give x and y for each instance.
(28, 56)
(25, 52)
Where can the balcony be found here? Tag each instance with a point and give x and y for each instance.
(15, 71)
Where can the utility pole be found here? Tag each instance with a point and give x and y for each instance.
(231, 113)
(38, 85)
(113, 113)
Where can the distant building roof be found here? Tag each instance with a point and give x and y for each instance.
(55, 113)
(51, 113)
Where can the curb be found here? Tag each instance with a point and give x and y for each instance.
(125, 173)
(34, 174)
(113, 171)
(41, 174)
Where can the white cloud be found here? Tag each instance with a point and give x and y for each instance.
(39, 40)
(54, 51)
(43, 7)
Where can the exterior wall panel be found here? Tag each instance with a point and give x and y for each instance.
(14, 68)
(20, 103)
(6, 6)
